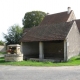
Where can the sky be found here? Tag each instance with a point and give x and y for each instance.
(13, 11)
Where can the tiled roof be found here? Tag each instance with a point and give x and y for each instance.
(25, 30)
(78, 24)
(56, 18)
(47, 32)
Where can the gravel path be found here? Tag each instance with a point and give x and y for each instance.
(39, 73)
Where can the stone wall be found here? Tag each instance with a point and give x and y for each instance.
(30, 50)
(54, 49)
(73, 42)
(71, 17)
(2, 48)
(13, 57)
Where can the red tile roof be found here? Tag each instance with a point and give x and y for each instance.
(47, 32)
(56, 18)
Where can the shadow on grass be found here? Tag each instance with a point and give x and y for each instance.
(2, 60)
(78, 59)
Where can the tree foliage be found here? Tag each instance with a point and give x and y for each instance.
(1, 42)
(14, 34)
(33, 18)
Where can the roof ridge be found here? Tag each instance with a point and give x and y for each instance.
(59, 13)
(56, 13)
(56, 18)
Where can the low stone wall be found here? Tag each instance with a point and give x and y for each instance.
(13, 57)
(2, 48)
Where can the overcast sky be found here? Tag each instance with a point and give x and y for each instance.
(13, 11)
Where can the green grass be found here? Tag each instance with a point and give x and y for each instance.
(2, 52)
(72, 62)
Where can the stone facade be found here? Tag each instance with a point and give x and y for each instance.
(3, 48)
(73, 41)
(13, 57)
(71, 17)
(51, 50)
(54, 50)
(13, 53)
(30, 50)
(67, 48)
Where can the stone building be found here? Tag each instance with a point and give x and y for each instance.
(57, 37)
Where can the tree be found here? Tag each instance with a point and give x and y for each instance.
(1, 42)
(33, 18)
(14, 34)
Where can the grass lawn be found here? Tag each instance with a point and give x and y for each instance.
(72, 62)
(2, 53)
